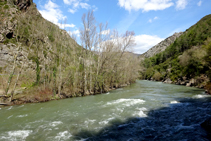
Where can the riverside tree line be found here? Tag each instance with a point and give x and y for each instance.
(61, 67)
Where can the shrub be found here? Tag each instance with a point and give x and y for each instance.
(44, 95)
(6, 7)
(51, 38)
(157, 76)
(149, 73)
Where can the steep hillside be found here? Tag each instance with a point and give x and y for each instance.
(186, 61)
(23, 31)
(31, 49)
(39, 61)
(160, 47)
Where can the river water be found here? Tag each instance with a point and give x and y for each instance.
(143, 111)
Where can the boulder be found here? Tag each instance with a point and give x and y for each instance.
(168, 81)
(188, 84)
(192, 82)
(182, 83)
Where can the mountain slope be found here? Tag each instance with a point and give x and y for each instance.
(160, 47)
(185, 61)
(39, 61)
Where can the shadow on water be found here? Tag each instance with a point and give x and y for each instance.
(179, 121)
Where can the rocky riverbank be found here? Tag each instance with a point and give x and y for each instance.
(201, 82)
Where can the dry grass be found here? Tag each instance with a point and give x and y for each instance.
(43, 95)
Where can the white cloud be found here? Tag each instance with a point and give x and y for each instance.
(76, 4)
(105, 32)
(65, 25)
(145, 5)
(199, 3)
(145, 42)
(72, 10)
(181, 4)
(76, 32)
(94, 8)
(69, 2)
(151, 20)
(52, 13)
(85, 5)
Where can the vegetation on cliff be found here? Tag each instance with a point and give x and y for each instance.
(188, 57)
(42, 62)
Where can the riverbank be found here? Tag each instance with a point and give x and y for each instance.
(46, 95)
(160, 112)
(34, 95)
(201, 82)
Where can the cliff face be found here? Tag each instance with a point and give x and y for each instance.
(25, 35)
(23, 4)
(160, 47)
(32, 47)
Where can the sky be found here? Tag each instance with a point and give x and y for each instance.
(151, 20)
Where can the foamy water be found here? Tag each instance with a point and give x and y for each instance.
(144, 111)
(201, 96)
(20, 116)
(126, 102)
(55, 123)
(16, 135)
(63, 136)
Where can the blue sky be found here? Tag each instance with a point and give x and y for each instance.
(151, 20)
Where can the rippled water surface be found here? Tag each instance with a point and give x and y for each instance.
(143, 111)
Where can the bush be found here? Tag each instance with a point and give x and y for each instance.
(6, 7)
(157, 76)
(51, 38)
(149, 73)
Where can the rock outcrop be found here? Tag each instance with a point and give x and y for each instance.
(160, 47)
(199, 81)
(22, 30)
(23, 4)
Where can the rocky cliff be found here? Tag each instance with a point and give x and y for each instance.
(160, 47)
(24, 34)
(31, 47)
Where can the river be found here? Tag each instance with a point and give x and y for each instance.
(143, 111)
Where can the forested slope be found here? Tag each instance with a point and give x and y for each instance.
(39, 61)
(186, 61)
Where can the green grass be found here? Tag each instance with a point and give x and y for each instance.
(6, 7)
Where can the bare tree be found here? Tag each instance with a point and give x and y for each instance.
(88, 41)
